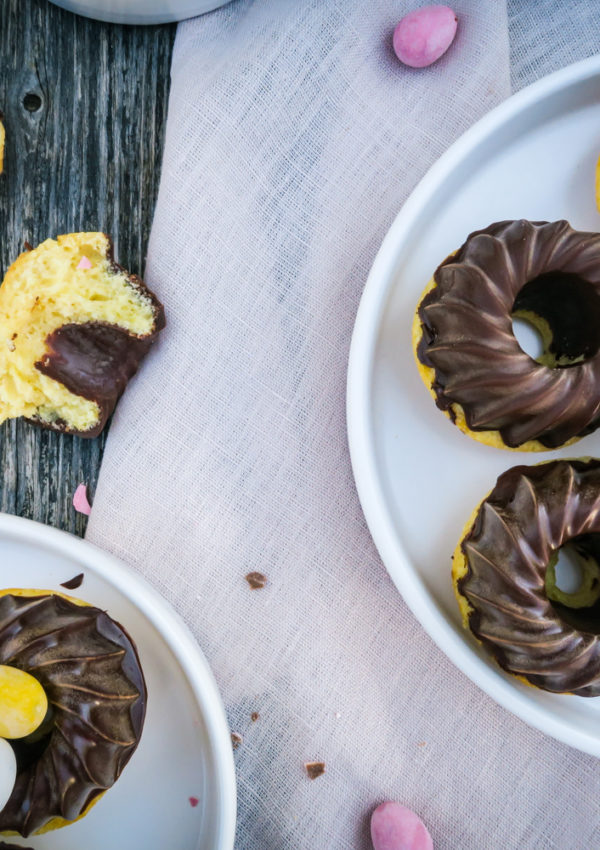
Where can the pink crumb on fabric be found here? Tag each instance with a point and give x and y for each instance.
(394, 827)
(84, 263)
(80, 500)
(194, 802)
(423, 36)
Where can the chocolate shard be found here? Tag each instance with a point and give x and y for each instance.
(73, 583)
(256, 580)
(314, 769)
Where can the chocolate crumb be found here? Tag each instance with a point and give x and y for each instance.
(256, 580)
(254, 716)
(236, 740)
(74, 582)
(314, 769)
(27, 245)
(15, 335)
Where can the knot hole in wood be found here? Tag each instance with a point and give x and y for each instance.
(32, 101)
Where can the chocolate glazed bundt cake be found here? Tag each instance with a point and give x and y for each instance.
(504, 575)
(467, 353)
(74, 327)
(89, 669)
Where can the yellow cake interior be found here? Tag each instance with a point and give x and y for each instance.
(43, 290)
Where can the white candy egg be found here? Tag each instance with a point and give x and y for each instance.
(8, 772)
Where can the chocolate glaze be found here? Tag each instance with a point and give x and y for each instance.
(89, 669)
(95, 360)
(469, 342)
(4, 846)
(531, 512)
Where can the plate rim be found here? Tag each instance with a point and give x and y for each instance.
(172, 630)
(361, 441)
(138, 16)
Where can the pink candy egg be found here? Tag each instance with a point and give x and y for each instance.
(424, 35)
(394, 827)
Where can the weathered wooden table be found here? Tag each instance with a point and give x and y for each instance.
(84, 109)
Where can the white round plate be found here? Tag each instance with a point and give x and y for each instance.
(185, 750)
(140, 11)
(418, 477)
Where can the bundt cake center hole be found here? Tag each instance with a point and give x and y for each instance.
(528, 337)
(556, 319)
(31, 748)
(573, 582)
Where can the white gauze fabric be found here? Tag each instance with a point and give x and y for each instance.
(293, 138)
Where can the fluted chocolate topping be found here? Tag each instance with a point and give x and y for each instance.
(531, 512)
(512, 267)
(89, 669)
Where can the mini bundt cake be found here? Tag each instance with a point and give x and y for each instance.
(74, 327)
(90, 672)
(504, 575)
(545, 273)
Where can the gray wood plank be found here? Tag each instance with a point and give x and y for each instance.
(84, 108)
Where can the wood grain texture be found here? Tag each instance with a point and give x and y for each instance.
(87, 159)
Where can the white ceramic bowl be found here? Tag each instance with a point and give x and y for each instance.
(178, 792)
(140, 11)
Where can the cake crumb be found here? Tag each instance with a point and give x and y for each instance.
(236, 740)
(74, 582)
(422, 744)
(256, 580)
(254, 716)
(314, 769)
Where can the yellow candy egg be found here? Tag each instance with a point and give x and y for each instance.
(23, 703)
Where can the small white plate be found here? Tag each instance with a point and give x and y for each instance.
(418, 476)
(185, 750)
